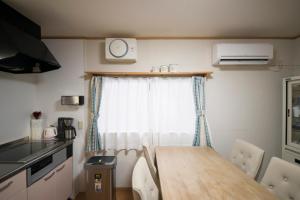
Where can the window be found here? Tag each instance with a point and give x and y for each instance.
(157, 111)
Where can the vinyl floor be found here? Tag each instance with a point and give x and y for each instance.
(122, 194)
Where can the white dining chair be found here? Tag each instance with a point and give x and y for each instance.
(150, 161)
(247, 157)
(143, 185)
(282, 179)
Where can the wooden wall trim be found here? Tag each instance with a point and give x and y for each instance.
(124, 188)
(174, 38)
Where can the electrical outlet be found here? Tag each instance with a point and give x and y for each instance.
(80, 124)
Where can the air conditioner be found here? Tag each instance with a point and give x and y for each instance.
(242, 54)
(121, 50)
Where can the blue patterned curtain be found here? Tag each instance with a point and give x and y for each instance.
(202, 133)
(93, 137)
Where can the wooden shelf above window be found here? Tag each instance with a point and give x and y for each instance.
(150, 74)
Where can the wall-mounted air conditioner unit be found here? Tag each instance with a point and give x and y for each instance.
(121, 50)
(242, 54)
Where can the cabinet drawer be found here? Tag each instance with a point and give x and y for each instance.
(291, 157)
(13, 185)
(43, 189)
(19, 196)
(64, 185)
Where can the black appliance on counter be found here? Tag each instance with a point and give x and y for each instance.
(65, 130)
(21, 48)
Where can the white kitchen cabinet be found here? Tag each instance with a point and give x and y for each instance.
(291, 120)
(14, 187)
(57, 184)
(22, 195)
(64, 180)
(291, 156)
(44, 188)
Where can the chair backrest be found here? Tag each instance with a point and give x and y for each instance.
(282, 179)
(143, 185)
(150, 161)
(247, 157)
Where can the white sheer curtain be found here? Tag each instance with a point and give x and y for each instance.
(157, 111)
(172, 111)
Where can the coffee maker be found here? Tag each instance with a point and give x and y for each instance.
(65, 130)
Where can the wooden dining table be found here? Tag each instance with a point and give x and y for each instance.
(200, 173)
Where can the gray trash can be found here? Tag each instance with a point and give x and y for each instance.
(101, 178)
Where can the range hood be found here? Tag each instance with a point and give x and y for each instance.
(21, 50)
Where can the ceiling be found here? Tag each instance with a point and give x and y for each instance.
(163, 18)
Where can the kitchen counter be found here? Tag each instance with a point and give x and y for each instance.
(10, 168)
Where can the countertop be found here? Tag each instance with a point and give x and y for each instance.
(8, 170)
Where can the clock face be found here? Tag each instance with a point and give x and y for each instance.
(118, 48)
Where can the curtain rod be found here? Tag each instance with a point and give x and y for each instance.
(150, 74)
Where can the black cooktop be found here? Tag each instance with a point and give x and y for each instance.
(25, 151)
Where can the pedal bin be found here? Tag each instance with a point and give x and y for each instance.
(101, 178)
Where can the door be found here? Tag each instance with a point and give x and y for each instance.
(293, 114)
(44, 189)
(64, 179)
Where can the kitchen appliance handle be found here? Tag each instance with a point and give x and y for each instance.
(75, 132)
(6, 186)
(62, 167)
(49, 177)
(55, 131)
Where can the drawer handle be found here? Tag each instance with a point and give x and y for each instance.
(6, 186)
(297, 161)
(60, 168)
(47, 178)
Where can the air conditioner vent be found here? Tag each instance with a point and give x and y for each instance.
(242, 54)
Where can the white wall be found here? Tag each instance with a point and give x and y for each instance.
(17, 102)
(68, 80)
(297, 58)
(243, 102)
